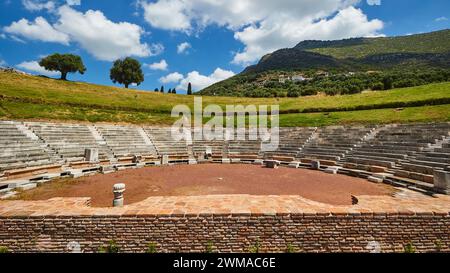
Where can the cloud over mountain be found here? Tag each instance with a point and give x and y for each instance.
(265, 25)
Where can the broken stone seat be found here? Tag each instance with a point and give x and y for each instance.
(415, 176)
(332, 145)
(337, 152)
(288, 148)
(248, 156)
(136, 150)
(24, 156)
(388, 149)
(434, 157)
(405, 140)
(18, 152)
(377, 155)
(367, 168)
(318, 156)
(417, 168)
(429, 163)
(380, 157)
(282, 158)
(130, 146)
(31, 169)
(323, 162)
(412, 184)
(372, 162)
(281, 154)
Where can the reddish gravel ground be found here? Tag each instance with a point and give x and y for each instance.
(212, 179)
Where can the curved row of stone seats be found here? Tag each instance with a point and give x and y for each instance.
(243, 145)
(334, 143)
(405, 150)
(291, 141)
(209, 143)
(18, 151)
(126, 141)
(165, 144)
(69, 140)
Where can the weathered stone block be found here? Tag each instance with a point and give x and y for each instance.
(377, 169)
(91, 155)
(315, 164)
(375, 179)
(442, 182)
(332, 170)
(192, 161)
(137, 159)
(272, 164)
(294, 164)
(106, 169)
(165, 160)
(382, 175)
(28, 186)
(226, 161)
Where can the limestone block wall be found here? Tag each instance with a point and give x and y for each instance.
(314, 232)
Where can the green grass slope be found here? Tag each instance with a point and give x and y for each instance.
(433, 42)
(25, 97)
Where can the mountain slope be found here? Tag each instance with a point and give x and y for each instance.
(433, 42)
(409, 54)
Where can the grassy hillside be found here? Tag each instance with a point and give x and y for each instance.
(36, 98)
(434, 42)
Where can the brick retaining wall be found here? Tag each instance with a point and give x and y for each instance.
(319, 232)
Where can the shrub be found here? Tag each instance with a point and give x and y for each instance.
(410, 248)
(290, 248)
(255, 248)
(110, 248)
(152, 248)
(438, 245)
(209, 247)
(377, 86)
(4, 249)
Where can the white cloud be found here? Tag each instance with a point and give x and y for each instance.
(38, 5)
(441, 19)
(197, 80)
(162, 65)
(73, 2)
(101, 37)
(181, 48)
(374, 2)
(40, 30)
(3, 62)
(167, 14)
(156, 49)
(264, 25)
(33, 66)
(260, 40)
(172, 78)
(51, 5)
(104, 39)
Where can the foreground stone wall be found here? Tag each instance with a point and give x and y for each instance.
(315, 232)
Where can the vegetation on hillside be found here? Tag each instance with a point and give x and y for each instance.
(270, 84)
(344, 67)
(433, 42)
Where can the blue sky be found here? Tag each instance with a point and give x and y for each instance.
(198, 41)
